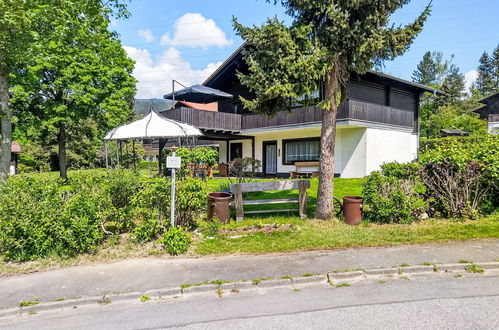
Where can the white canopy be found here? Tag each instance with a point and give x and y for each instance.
(152, 126)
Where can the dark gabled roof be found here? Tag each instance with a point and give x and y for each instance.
(237, 54)
(486, 99)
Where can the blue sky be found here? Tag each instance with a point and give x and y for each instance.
(187, 40)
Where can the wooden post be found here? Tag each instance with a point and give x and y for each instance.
(238, 200)
(302, 199)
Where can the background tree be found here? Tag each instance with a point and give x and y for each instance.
(327, 41)
(21, 22)
(81, 81)
(485, 82)
(495, 68)
(452, 86)
(431, 69)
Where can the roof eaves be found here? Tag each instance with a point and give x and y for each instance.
(420, 86)
(224, 64)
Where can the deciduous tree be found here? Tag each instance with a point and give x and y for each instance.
(81, 72)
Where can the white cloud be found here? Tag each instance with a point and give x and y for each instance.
(146, 34)
(155, 75)
(469, 78)
(195, 30)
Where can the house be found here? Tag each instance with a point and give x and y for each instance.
(490, 112)
(379, 122)
(15, 149)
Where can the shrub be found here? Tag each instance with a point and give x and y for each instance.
(147, 231)
(244, 169)
(460, 151)
(190, 201)
(176, 241)
(41, 217)
(458, 191)
(393, 195)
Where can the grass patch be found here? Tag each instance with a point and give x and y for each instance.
(315, 234)
(256, 281)
(462, 261)
(381, 282)
(105, 300)
(458, 275)
(144, 299)
(343, 285)
(26, 303)
(286, 277)
(474, 269)
(220, 292)
(403, 265)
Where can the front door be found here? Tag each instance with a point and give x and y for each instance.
(270, 158)
(236, 150)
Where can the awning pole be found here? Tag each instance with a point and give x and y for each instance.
(117, 153)
(105, 152)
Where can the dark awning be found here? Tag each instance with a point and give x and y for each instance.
(198, 94)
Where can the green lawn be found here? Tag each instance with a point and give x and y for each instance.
(342, 187)
(316, 234)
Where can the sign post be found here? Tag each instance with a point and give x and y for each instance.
(173, 163)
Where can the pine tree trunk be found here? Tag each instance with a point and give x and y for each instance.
(324, 205)
(6, 126)
(63, 167)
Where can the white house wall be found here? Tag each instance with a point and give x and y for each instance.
(359, 150)
(353, 143)
(493, 127)
(388, 145)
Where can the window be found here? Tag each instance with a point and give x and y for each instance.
(300, 150)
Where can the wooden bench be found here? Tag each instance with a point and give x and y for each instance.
(239, 188)
(306, 168)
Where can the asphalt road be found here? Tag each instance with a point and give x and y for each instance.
(156, 273)
(422, 302)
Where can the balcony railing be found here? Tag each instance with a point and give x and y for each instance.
(349, 110)
(205, 119)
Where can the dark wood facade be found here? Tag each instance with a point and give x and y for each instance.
(349, 110)
(372, 97)
(491, 107)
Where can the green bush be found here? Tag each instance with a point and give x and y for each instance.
(190, 200)
(176, 241)
(394, 194)
(41, 217)
(459, 151)
(147, 231)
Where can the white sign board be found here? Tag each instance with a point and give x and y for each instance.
(172, 162)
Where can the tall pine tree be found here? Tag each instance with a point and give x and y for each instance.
(328, 40)
(495, 68)
(431, 69)
(485, 82)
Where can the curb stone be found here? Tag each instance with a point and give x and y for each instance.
(453, 267)
(304, 280)
(382, 271)
(243, 285)
(237, 286)
(335, 277)
(488, 265)
(274, 283)
(417, 269)
(200, 288)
